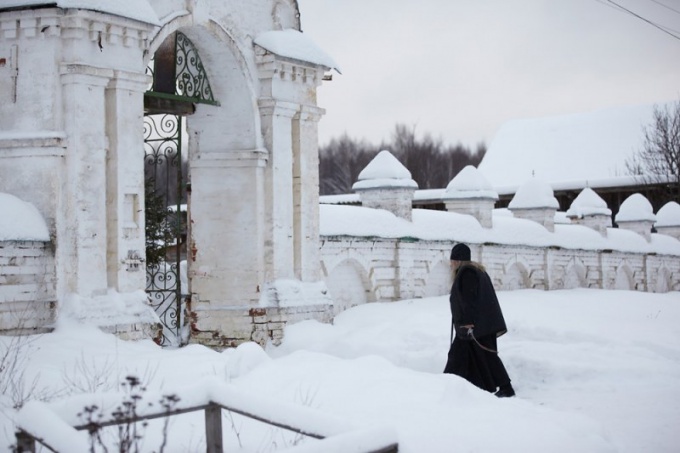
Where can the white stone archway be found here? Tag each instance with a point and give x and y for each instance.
(439, 280)
(349, 285)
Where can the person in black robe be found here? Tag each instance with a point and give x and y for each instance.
(477, 322)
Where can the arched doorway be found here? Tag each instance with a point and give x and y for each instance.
(179, 82)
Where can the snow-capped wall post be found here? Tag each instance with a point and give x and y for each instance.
(636, 214)
(470, 193)
(589, 209)
(668, 220)
(386, 184)
(535, 201)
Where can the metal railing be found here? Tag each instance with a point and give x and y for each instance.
(330, 431)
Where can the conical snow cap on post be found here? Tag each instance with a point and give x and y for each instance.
(668, 219)
(469, 192)
(589, 209)
(386, 184)
(535, 200)
(636, 214)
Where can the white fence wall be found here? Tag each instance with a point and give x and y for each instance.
(27, 286)
(395, 269)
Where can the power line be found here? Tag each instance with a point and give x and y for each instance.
(665, 6)
(653, 24)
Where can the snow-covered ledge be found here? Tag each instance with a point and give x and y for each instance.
(470, 193)
(535, 200)
(668, 220)
(127, 315)
(590, 210)
(386, 184)
(636, 214)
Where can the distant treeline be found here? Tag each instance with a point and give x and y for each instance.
(431, 163)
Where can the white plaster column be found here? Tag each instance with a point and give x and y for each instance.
(81, 217)
(227, 239)
(306, 193)
(125, 181)
(277, 130)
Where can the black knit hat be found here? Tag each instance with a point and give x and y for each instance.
(460, 252)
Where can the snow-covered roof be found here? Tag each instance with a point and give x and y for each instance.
(139, 10)
(668, 215)
(535, 193)
(469, 183)
(579, 147)
(384, 170)
(635, 208)
(296, 45)
(588, 203)
(21, 221)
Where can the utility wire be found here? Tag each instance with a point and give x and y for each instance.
(665, 6)
(623, 10)
(653, 24)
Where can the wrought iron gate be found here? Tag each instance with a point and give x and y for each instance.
(179, 83)
(166, 222)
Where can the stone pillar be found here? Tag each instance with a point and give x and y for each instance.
(386, 184)
(535, 201)
(668, 220)
(641, 227)
(480, 208)
(470, 193)
(598, 222)
(397, 200)
(544, 216)
(81, 219)
(277, 129)
(636, 214)
(306, 193)
(125, 181)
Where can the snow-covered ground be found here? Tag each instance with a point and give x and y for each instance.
(594, 370)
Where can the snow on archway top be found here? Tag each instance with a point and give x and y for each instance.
(635, 208)
(384, 170)
(668, 215)
(21, 221)
(298, 46)
(469, 183)
(588, 203)
(534, 194)
(139, 10)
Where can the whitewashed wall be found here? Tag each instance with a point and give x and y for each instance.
(393, 269)
(27, 278)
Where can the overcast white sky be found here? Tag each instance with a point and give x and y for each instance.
(459, 69)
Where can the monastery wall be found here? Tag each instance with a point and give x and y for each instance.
(359, 270)
(27, 277)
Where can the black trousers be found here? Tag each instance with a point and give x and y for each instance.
(482, 368)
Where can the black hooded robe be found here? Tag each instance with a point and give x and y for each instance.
(473, 301)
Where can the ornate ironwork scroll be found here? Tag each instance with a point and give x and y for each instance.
(192, 80)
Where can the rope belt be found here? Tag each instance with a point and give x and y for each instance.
(471, 333)
(479, 344)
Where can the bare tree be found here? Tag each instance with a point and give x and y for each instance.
(658, 162)
(340, 163)
(431, 163)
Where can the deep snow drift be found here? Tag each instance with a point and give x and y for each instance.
(595, 371)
